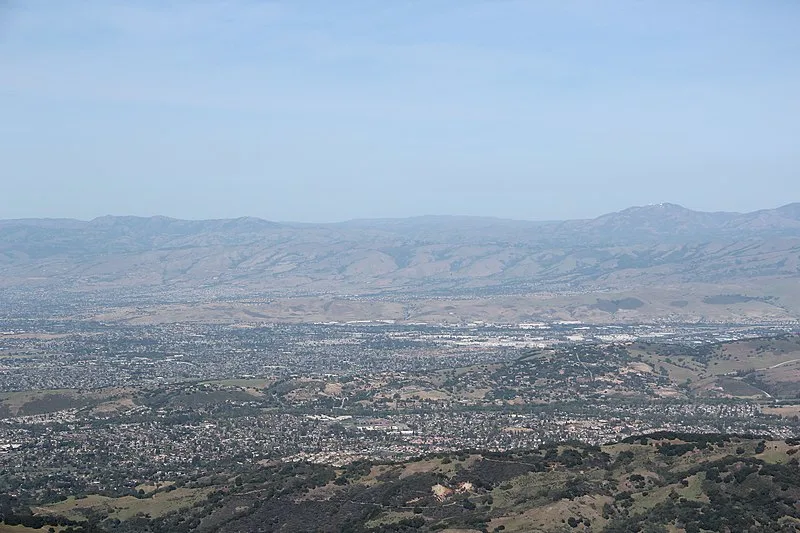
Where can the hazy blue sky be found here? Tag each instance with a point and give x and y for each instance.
(329, 110)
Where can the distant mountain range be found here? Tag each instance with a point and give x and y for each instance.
(165, 259)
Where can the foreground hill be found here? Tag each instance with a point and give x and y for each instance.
(668, 257)
(658, 483)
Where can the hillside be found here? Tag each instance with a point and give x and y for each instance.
(656, 483)
(660, 254)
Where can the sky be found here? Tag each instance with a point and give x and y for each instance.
(322, 111)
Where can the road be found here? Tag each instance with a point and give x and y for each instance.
(779, 364)
(578, 357)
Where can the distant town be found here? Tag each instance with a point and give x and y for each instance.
(164, 403)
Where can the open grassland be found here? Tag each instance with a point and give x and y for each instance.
(5, 528)
(126, 507)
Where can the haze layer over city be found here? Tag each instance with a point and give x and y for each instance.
(454, 265)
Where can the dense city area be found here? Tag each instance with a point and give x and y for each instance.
(96, 412)
(52, 354)
(163, 399)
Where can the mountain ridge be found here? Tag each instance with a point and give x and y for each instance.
(791, 210)
(637, 249)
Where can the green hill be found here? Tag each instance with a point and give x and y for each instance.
(657, 483)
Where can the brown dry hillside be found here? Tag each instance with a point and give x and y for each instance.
(667, 260)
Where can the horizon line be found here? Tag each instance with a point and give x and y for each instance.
(383, 219)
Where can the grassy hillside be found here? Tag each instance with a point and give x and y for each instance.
(757, 368)
(661, 482)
